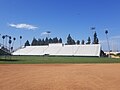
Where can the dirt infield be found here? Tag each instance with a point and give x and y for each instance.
(60, 77)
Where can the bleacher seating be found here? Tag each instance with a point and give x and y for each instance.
(53, 49)
(60, 49)
(4, 50)
(88, 50)
(67, 50)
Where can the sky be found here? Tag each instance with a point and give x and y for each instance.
(31, 18)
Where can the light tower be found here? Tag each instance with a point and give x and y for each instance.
(93, 31)
(106, 32)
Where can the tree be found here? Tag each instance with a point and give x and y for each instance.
(13, 43)
(14, 38)
(46, 41)
(20, 40)
(20, 37)
(10, 41)
(39, 41)
(73, 42)
(106, 32)
(34, 42)
(43, 42)
(50, 40)
(3, 37)
(83, 42)
(27, 43)
(78, 42)
(70, 41)
(95, 40)
(9, 37)
(60, 40)
(88, 41)
(55, 40)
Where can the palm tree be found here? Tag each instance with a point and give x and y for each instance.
(9, 37)
(20, 37)
(3, 37)
(13, 43)
(6, 36)
(10, 41)
(106, 32)
(20, 40)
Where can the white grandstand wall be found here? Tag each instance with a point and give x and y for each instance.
(88, 50)
(61, 50)
(53, 48)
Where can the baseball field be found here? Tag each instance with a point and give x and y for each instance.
(61, 73)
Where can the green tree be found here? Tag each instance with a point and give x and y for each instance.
(10, 41)
(50, 40)
(83, 42)
(60, 40)
(46, 41)
(70, 41)
(88, 41)
(95, 40)
(27, 43)
(78, 42)
(13, 43)
(55, 40)
(20, 40)
(34, 42)
(3, 37)
(73, 42)
(39, 41)
(43, 42)
(20, 37)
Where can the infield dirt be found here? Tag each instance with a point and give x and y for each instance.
(59, 76)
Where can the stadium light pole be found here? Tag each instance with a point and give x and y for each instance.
(106, 32)
(93, 31)
(48, 33)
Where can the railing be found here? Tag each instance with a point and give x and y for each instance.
(21, 47)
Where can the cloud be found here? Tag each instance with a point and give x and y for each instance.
(45, 33)
(23, 26)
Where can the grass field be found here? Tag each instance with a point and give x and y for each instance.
(54, 60)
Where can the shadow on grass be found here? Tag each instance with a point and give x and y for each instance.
(8, 60)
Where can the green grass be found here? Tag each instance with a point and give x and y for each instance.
(54, 60)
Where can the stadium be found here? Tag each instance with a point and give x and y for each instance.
(59, 45)
(54, 48)
(49, 64)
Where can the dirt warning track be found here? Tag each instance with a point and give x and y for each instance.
(59, 76)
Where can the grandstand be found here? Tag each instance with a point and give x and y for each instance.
(4, 50)
(60, 50)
